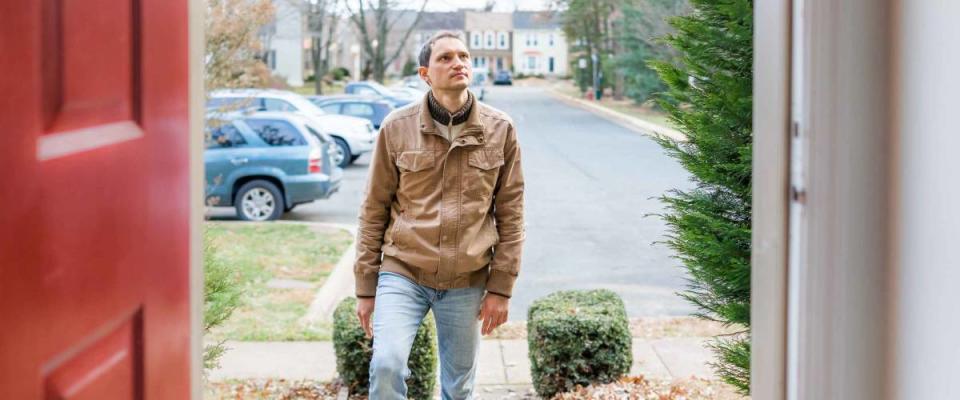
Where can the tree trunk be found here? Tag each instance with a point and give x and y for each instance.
(317, 72)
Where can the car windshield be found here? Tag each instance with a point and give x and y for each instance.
(305, 105)
(380, 88)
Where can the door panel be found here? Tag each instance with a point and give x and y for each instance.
(94, 239)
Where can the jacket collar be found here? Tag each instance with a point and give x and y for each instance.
(472, 127)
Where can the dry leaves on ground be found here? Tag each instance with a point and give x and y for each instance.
(639, 388)
(273, 389)
(642, 328)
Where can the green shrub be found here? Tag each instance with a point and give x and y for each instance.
(577, 338)
(354, 351)
(409, 68)
(221, 296)
(339, 73)
(709, 99)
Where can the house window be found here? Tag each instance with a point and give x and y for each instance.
(503, 40)
(550, 65)
(551, 40)
(490, 40)
(272, 59)
(528, 39)
(476, 39)
(535, 40)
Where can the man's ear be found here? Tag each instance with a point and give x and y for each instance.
(422, 71)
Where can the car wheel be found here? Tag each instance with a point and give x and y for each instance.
(259, 200)
(341, 156)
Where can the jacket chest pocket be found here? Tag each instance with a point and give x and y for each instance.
(416, 171)
(484, 169)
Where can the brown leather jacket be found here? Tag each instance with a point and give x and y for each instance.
(439, 212)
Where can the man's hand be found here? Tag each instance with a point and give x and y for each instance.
(493, 312)
(364, 311)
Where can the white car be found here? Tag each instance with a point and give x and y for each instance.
(353, 136)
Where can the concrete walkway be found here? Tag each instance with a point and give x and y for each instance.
(503, 363)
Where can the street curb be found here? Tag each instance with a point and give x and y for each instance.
(635, 124)
(339, 284)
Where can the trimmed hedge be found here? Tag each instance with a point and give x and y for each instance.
(354, 352)
(577, 338)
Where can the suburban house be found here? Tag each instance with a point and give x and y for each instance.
(528, 42)
(539, 45)
(489, 39)
(284, 41)
(430, 24)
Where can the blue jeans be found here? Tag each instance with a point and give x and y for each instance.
(400, 306)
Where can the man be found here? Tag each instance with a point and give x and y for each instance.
(441, 226)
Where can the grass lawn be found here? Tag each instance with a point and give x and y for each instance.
(281, 266)
(626, 106)
(309, 90)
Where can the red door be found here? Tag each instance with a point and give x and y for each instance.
(94, 205)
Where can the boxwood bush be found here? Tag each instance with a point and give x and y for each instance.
(354, 352)
(577, 338)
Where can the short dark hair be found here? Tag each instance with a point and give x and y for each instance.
(427, 48)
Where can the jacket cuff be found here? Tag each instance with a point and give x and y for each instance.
(366, 285)
(501, 282)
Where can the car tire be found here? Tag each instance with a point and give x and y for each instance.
(259, 200)
(354, 158)
(343, 153)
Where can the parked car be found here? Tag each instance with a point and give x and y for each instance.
(502, 77)
(371, 88)
(266, 163)
(477, 86)
(353, 136)
(370, 108)
(412, 92)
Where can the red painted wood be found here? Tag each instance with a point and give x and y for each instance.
(94, 245)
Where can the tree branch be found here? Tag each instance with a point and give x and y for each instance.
(403, 41)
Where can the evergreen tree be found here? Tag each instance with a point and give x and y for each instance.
(644, 22)
(709, 97)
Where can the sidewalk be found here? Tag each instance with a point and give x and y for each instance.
(503, 365)
(627, 121)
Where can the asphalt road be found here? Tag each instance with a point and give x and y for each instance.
(590, 187)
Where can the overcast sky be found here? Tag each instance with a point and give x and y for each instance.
(501, 5)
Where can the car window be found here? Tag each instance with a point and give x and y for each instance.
(363, 90)
(222, 134)
(276, 132)
(278, 105)
(331, 108)
(358, 109)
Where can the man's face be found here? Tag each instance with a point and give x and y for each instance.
(449, 67)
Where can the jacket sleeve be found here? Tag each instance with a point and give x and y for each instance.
(375, 215)
(508, 212)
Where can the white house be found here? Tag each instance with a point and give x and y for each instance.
(489, 41)
(284, 40)
(539, 45)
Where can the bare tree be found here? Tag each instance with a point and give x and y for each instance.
(233, 43)
(322, 18)
(374, 23)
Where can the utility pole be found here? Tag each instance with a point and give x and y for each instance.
(596, 77)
